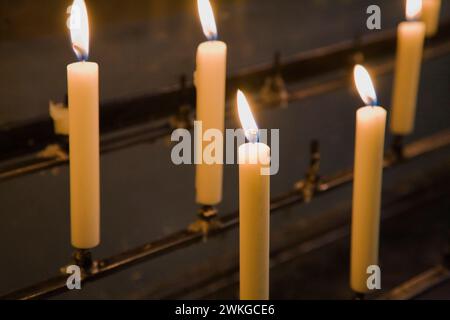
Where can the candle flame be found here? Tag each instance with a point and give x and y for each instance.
(245, 115)
(206, 14)
(364, 85)
(413, 9)
(79, 29)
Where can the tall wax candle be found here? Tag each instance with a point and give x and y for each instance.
(254, 210)
(82, 78)
(210, 79)
(430, 16)
(410, 41)
(368, 167)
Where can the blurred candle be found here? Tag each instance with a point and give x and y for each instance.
(82, 78)
(430, 16)
(410, 39)
(254, 209)
(209, 80)
(368, 167)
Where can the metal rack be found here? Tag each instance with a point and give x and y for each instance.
(145, 119)
(96, 269)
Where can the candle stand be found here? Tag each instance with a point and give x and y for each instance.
(153, 117)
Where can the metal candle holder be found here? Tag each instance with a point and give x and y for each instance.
(157, 115)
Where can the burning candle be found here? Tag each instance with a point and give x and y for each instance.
(410, 39)
(368, 168)
(430, 16)
(254, 209)
(82, 78)
(210, 79)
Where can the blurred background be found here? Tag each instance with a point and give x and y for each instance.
(143, 46)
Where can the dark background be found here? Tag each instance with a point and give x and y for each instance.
(143, 46)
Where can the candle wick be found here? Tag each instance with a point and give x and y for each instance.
(253, 135)
(374, 102)
(212, 36)
(80, 52)
(414, 18)
(84, 57)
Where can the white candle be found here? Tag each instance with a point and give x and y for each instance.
(82, 78)
(368, 168)
(430, 16)
(254, 210)
(410, 41)
(210, 79)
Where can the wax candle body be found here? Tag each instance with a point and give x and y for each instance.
(368, 167)
(407, 75)
(254, 217)
(84, 154)
(210, 79)
(430, 16)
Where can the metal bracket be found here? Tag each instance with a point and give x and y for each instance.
(308, 185)
(274, 92)
(83, 259)
(207, 221)
(183, 118)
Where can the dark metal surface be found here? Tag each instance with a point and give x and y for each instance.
(151, 115)
(183, 238)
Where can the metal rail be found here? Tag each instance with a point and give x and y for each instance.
(420, 284)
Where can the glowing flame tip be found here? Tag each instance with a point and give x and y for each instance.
(246, 117)
(413, 9)
(79, 29)
(206, 14)
(364, 85)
